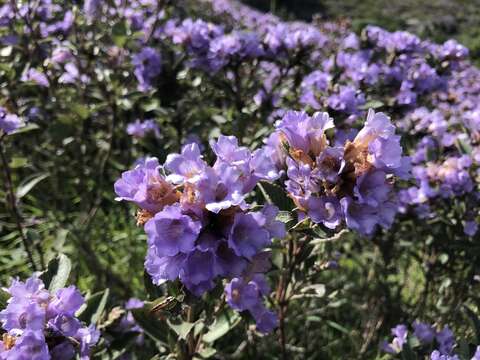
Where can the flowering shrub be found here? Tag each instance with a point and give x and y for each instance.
(293, 184)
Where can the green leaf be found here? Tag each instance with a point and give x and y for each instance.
(94, 307)
(276, 195)
(18, 162)
(29, 184)
(225, 322)
(119, 32)
(318, 290)
(287, 218)
(27, 128)
(57, 273)
(372, 104)
(81, 110)
(207, 352)
(182, 329)
(151, 324)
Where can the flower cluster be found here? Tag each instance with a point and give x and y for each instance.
(443, 341)
(148, 65)
(345, 180)
(198, 223)
(140, 129)
(40, 325)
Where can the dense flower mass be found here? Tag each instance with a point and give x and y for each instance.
(341, 180)
(386, 137)
(199, 225)
(40, 325)
(443, 341)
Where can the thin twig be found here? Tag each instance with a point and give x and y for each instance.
(12, 199)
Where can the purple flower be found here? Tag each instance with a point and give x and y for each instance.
(31, 345)
(361, 218)
(470, 227)
(240, 295)
(140, 129)
(347, 100)
(187, 166)
(67, 301)
(72, 75)
(305, 133)
(437, 355)
(247, 237)
(172, 232)
(35, 76)
(91, 8)
(244, 295)
(424, 332)
(35, 319)
(9, 122)
(446, 341)
(163, 268)
(400, 333)
(148, 65)
(325, 210)
(266, 320)
(145, 187)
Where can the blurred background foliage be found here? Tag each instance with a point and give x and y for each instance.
(438, 20)
(68, 162)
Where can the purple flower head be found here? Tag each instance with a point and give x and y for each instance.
(163, 268)
(9, 122)
(35, 76)
(452, 50)
(312, 85)
(67, 301)
(362, 218)
(140, 129)
(347, 100)
(72, 75)
(172, 232)
(148, 65)
(325, 210)
(378, 135)
(274, 227)
(446, 341)
(236, 46)
(60, 27)
(187, 166)
(221, 189)
(247, 237)
(400, 333)
(470, 227)
(199, 270)
(91, 8)
(424, 332)
(35, 319)
(266, 320)
(61, 55)
(145, 187)
(31, 345)
(240, 295)
(305, 133)
(437, 355)
(372, 188)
